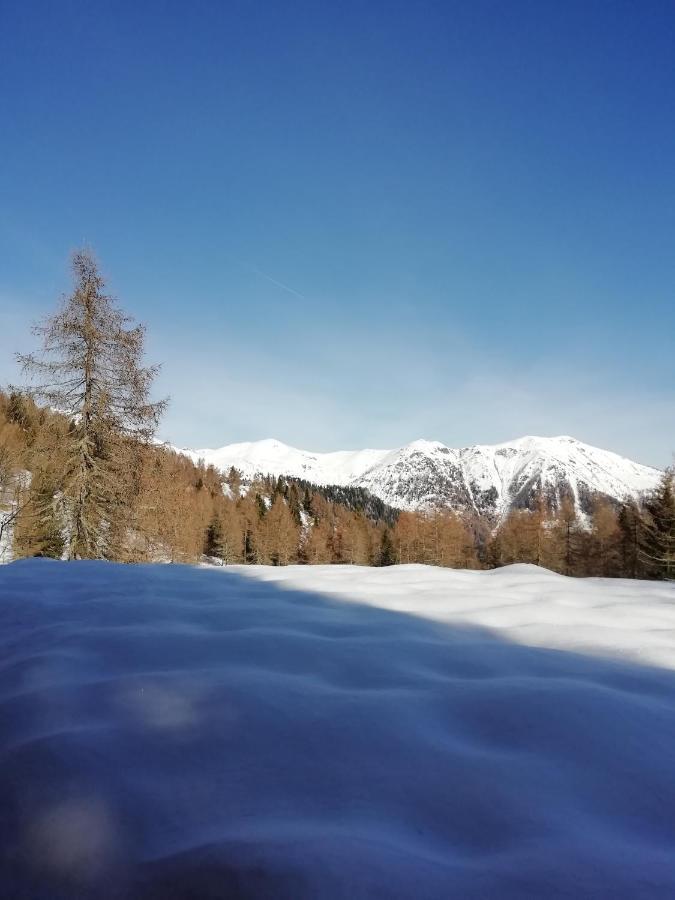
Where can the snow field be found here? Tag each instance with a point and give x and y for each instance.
(334, 732)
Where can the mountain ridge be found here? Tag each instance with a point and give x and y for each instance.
(489, 479)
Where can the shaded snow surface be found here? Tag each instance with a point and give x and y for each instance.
(334, 732)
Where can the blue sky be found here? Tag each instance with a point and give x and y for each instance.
(357, 224)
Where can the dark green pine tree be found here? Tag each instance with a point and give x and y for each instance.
(213, 544)
(631, 527)
(657, 545)
(294, 503)
(249, 547)
(387, 554)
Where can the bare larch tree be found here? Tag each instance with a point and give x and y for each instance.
(90, 369)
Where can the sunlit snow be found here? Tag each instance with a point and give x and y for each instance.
(414, 476)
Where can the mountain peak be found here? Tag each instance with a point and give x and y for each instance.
(424, 445)
(487, 478)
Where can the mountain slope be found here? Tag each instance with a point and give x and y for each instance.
(490, 479)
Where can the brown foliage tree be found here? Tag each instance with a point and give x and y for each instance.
(90, 369)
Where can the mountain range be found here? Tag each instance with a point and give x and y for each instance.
(488, 479)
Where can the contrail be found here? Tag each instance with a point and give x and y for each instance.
(280, 284)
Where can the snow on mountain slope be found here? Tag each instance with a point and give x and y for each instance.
(488, 478)
(334, 732)
(270, 457)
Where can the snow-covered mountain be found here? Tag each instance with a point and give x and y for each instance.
(488, 478)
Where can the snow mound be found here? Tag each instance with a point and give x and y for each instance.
(334, 732)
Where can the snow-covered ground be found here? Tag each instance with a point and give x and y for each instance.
(334, 732)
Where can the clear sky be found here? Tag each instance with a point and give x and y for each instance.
(353, 224)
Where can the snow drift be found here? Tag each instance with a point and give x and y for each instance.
(334, 732)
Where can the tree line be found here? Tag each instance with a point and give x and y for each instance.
(82, 477)
(185, 511)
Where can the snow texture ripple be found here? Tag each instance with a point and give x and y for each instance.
(334, 732)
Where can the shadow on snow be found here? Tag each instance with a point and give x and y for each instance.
(167, 731)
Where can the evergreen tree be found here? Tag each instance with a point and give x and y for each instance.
(294, 503)
(657, 547)
(261, 506)
(213, 544)
(387, 555)
(90, 369)
(631, 527)
(249, 546)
